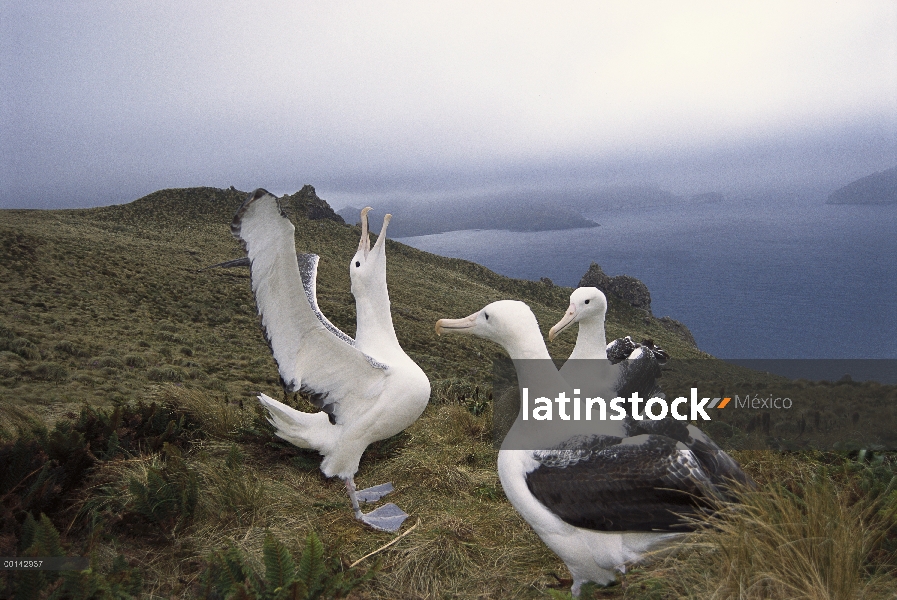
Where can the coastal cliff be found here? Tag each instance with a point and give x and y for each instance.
(635, 293)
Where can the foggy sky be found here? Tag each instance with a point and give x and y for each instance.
(103, 102)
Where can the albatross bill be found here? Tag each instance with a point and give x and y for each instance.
(604, 498)
(367, 388)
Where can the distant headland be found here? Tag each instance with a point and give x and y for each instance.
(878, 188)
(428, 217)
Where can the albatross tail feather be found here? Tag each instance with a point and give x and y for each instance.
(306, 430)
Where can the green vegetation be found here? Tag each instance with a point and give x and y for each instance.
(811, 536)
(228, 575)
(129, 431)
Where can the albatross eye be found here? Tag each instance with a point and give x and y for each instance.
(487, 316)
(357, 263)
(587, 301)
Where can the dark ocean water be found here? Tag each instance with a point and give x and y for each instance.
(792, 278)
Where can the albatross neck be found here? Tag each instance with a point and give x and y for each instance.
(535, 370)
(590, 341)
(374, 328)
(527, 345)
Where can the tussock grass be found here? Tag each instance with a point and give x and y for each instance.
(470, 542)
(114, 297)
(219, 416)
(234, 494)
(16, 420)
(108, 492)
(453, 554)
(813, 538)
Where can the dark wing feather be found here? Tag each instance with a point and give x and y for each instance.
(638, 484)
(639, 373)
(671, 428)
(620, 349)
(228, 264)
(721, 469)
(659, 353)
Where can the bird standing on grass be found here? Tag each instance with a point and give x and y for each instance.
(601, 499)
(367, 388)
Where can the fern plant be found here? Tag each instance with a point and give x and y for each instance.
(42, 539)
(121, 583)
(170, 493)
(228, 577)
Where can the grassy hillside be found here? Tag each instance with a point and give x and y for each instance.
(106, 302)
(108, 308)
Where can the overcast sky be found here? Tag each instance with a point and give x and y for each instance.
(103, 102)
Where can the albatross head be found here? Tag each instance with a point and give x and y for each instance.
(586, 304)
(509, 323)
(368, 266)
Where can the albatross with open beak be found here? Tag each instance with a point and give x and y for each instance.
(367, 388)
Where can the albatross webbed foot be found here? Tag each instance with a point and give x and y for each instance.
(388, 517)
(372, 494)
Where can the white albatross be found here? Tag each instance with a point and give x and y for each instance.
(367, 388)
(629, 366)
(633, 367)
(599, 501)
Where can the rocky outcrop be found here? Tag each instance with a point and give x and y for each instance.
(634, 292)
(624, 287)
(679, 329)
(305, 203)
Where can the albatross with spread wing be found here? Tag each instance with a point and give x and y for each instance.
(367, 388)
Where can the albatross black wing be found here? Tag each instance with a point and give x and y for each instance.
(603, 483)
(721, 469)
(228, 264)
(620, 349)
(638, 373)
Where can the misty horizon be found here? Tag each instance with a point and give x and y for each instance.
(106, 102)
(457, 188)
